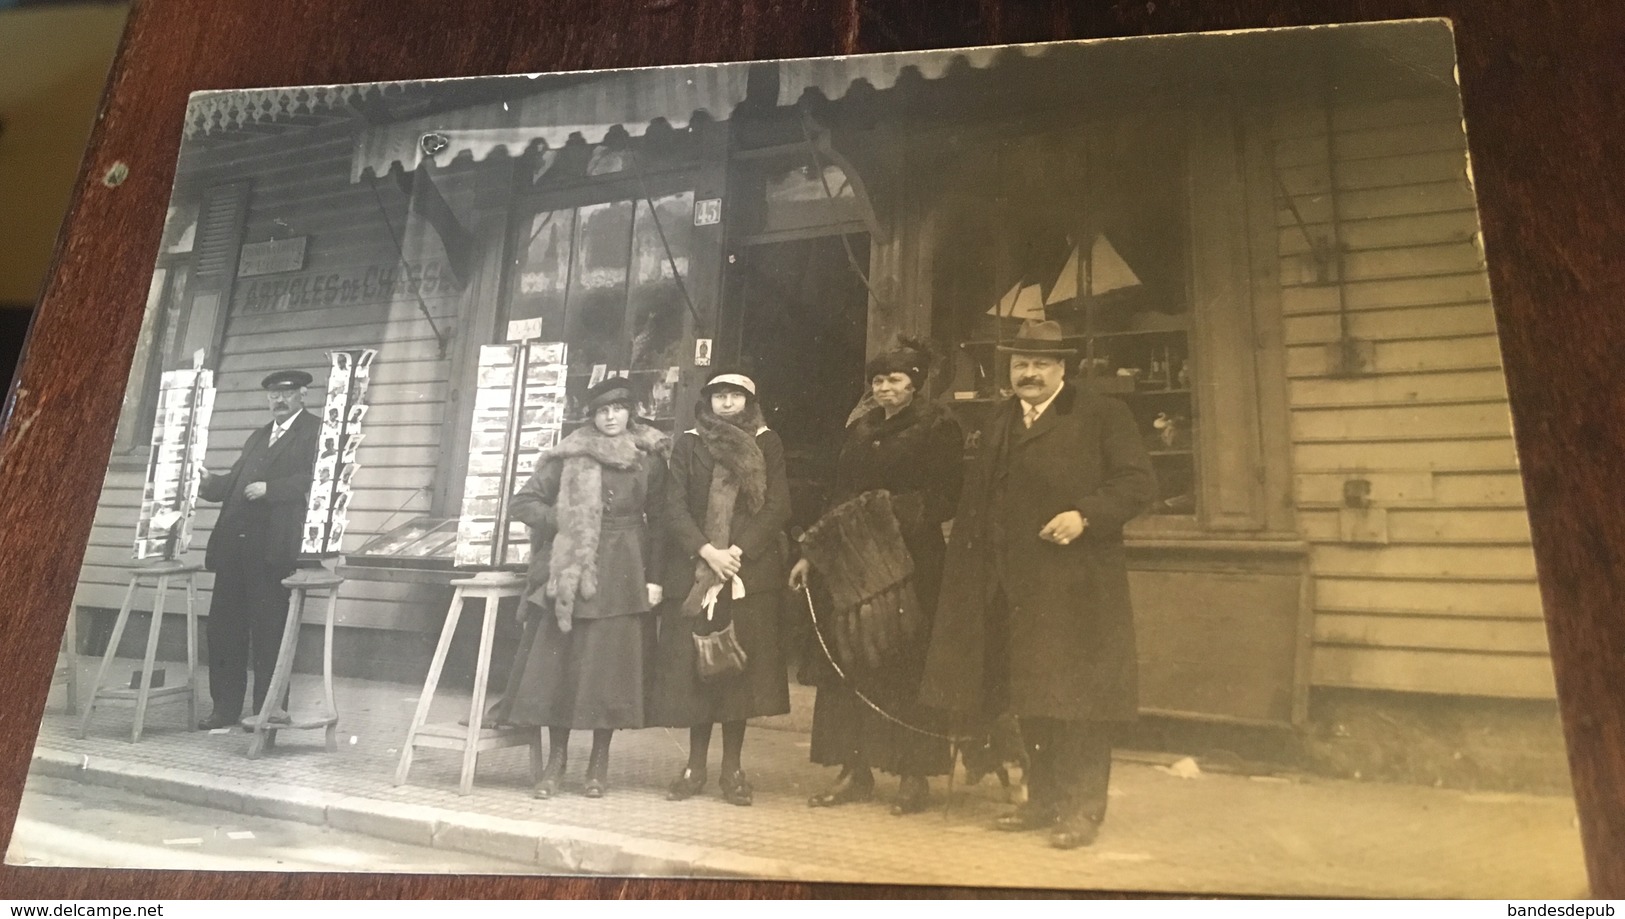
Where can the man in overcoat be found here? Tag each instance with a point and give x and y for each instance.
(255, 544)
(1034, 617)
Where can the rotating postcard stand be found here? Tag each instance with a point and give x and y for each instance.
(518, 415)
(326, 516)
(180, 436)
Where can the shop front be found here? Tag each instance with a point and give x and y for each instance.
(795, 217)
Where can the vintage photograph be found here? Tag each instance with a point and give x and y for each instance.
(1080, 465)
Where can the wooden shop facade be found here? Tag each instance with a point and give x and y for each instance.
(1266, 245)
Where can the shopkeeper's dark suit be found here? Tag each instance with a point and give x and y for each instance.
(252, 548)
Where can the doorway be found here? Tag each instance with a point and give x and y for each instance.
(799, 314)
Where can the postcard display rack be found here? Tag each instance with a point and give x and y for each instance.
(180, 437)
(518, 415)
(326, 514)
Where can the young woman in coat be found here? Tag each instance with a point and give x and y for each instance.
(911, 448)
(726, 508)
(592, 506)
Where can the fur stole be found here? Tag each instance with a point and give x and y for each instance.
(585, 453)
(738, 471)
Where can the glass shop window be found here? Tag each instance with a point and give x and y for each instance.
(1091, 236)
(604, 279)
(789, 195)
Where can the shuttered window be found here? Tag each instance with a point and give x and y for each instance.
(196, 266)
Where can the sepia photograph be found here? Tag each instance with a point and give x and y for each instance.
(1082, 465)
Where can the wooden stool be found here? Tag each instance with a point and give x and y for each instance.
(67, 664)
(474, 738)
(160, 574)
(271, 718)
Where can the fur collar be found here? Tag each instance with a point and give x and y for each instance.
(573, 560)
(918, 413)
(618, 452)
(732, 445)
(739, 472)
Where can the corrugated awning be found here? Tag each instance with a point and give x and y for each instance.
(630, 98)
(592, 104)
(834, 76)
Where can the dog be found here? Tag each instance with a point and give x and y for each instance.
(994, 754)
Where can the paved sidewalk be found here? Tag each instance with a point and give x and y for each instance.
(1213, 833)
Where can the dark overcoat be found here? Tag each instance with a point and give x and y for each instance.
(629, 550)
(1070, 625)
(759, 536)
(916, 455)
(270, 526)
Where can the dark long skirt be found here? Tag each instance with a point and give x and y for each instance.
(683, 700)
(595, 676)
(847, 732)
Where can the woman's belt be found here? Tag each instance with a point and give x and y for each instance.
(621, 522)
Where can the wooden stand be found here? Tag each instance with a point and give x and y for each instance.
(474, 738)
(160, 574)
(271, 718)
(67, 665)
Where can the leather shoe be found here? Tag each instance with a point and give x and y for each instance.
(597, 773)
(1074, 833)
(687, 785)
(913, 796)
(1024, 818)
(547, 785)
(850, 787)
(735, 789)
(216, 722)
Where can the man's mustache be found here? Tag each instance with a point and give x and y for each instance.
(1030, 381)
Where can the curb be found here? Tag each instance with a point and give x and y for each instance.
(549, 848)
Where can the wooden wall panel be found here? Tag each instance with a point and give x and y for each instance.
(1412, 285)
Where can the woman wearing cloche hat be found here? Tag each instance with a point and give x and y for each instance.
(593, 507)
(726, 508)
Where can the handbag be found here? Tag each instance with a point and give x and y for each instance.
(718, 654)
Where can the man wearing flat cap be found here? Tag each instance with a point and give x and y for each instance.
(1035, 619)
(254, 545)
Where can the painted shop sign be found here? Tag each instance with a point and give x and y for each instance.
(349, 287)
(272, 256)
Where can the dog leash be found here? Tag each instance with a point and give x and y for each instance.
(818, 630)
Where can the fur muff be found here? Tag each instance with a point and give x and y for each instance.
(573, 564)
(858, 551)
(739, 472)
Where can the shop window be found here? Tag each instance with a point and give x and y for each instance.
(607, 278)
(790, 195)
(1091, 234)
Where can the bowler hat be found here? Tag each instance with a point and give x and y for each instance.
(286, 379)
(611, 391)
(1041, 338)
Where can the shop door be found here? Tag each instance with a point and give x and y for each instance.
(798, 314)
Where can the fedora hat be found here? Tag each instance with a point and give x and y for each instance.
(1042, 338)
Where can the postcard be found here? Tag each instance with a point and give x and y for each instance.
(1234, 282)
